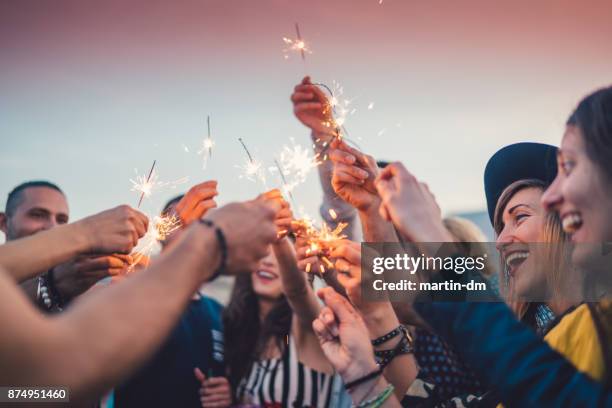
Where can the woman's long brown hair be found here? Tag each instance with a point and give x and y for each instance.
(245, 337)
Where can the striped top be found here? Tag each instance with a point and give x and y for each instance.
(285, 382)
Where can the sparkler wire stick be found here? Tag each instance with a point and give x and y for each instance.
(299, 38)
(246, 150)
(148, 178)
(209, 137)
(280, 171)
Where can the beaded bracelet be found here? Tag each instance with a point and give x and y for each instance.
(222, 246)
(386, 337)
(47, 295)
(377, 400)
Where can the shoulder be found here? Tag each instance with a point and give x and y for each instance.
(576, 337)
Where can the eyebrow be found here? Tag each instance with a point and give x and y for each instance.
(511, 210)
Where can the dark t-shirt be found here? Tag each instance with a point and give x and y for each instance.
(167, 380)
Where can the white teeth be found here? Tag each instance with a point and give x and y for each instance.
(516, 255)
(266, 274)
(571, 222)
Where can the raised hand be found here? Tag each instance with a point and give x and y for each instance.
(78, 275)
(312, 108)
(197, 201)
(284, 216)
(353, 176)
(344, 337)
(214, 391)
(113, 231)
(249, 230)
(410, 206)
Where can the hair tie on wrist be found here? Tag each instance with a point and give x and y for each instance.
(363, 379)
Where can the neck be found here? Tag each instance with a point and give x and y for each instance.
(559, 306)
(265, 305)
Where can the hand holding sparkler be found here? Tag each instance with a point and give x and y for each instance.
(113, 231)
(353, 176)
(197, 201)
(312, 107)
(284, 216)
(347, 255)
(81, 273)
(248, 229)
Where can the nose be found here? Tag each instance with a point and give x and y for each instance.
(504, 238)
(552, 197)
(50, 223)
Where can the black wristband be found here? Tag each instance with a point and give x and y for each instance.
(404, 346)
(363, 379)
(386, 337)
(222, 247)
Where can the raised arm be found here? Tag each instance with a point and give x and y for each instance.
(379, 317)
(296, 287)
(311, 107)
(115, 230)
(353, 179)
(104, 336)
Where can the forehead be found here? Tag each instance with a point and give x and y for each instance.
(43, 197)
(529, 196)
(572, 140)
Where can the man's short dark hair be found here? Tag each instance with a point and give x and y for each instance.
(171, 202)
(15, 197)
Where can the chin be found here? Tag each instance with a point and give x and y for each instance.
(592, 256)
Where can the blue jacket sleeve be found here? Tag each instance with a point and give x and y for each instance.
(510, 358)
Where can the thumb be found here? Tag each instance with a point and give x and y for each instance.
(199, 375)
(343, 310)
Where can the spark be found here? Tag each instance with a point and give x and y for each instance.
(296, 162)
(252, 169)
(207, 145)
(319, 239)
(286, 186)
(340, 108)
(160, 228)
(146, 186)
(296, 44)
(333, 213)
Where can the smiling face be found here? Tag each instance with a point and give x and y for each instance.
(522, 223)
(266, 279)
(39, 209)
(582, 196)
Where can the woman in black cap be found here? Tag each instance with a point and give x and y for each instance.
(512, 359)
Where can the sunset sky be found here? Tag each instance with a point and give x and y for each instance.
(91, 90)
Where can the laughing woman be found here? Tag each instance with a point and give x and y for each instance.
(274, 358)
(525, 371)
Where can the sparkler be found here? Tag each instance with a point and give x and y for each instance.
(207, 145)
(160, 228)
(319, 239)
(297, 44)
(145, 186)
(297, 162)
(286, 185)
(340, 108)
(252, 169)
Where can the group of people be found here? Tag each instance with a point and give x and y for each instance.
(151, 338)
